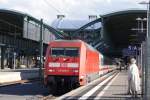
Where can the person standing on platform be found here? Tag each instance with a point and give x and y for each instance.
(133, 78)
(119, 63)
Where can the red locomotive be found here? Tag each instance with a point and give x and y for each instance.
(71, 63)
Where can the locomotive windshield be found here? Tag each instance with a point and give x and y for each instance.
(69, 52)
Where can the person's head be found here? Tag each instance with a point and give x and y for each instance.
(132, 60)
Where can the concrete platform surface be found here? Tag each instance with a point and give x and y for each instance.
(9, 77)
(17, 75)
(117, 89)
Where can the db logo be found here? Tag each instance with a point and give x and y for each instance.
(63, 64)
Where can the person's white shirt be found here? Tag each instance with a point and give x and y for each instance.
(133, 76)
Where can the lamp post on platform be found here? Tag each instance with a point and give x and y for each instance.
(147, 54)
(41, 49)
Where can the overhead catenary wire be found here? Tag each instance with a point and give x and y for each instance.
(57, 10)
(49, 4)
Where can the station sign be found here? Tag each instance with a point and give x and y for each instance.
(130, 51)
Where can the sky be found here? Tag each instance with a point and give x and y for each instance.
(72, 9)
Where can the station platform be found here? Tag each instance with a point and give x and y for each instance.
(117, 88)
(113, 87)
(8, 76)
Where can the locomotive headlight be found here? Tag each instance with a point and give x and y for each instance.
(51, 70)
(82, 77)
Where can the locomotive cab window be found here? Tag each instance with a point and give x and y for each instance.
(69, 52)
(72, 52)
(57, 52)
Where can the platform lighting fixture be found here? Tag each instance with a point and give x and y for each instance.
(60, 16)
(148, 11)
(140, 28)
(141, 20)
(92, 17)
(143, 2)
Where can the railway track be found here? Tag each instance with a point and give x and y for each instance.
(80, 89)
(57, 97)
(50, 97)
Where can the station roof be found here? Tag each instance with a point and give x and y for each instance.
(123, 29)
(120, 12)
(18, 13)
(22, 15)
(67, 24)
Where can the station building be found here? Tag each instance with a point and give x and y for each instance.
(19, 39)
